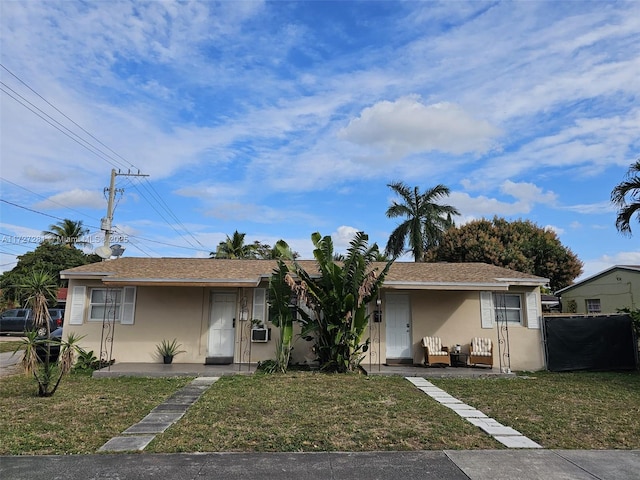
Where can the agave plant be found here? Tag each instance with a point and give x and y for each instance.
(169, 349)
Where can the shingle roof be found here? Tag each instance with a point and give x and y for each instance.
(217, 272)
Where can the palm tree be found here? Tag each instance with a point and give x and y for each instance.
(67, 233)
(425, 222)
(234, 247)
(40, 288)
(628, 206)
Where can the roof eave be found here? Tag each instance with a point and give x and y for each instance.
(67, 275)
(183, 282)
(398, 284)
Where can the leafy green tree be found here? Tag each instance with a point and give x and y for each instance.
(281, 250)
(40, 288)
(520, 245)
(426, 220)
(626, 196)
(332, 306)
(234, 247)
(67, 232)
(47, 257)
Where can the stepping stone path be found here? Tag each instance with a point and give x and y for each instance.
(508, 436)
(138, 436)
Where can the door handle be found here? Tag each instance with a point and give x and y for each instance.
(234, 323)
(408, 325)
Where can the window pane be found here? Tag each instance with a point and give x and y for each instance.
(593, 305)
(129, 293)
(513, 316)
(97, 295)
(100, 312)
(105, 304)
(512, 301)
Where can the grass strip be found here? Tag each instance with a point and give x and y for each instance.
(82, 415)
(575, 410)
(306, 412)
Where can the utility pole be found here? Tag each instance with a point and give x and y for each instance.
(105, 225)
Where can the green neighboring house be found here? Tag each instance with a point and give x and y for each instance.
(606, 292)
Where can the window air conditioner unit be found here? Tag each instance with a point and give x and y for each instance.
(260, 335)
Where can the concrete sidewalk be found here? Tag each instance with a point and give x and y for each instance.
(424, 465)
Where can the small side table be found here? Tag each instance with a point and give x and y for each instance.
(459, 359)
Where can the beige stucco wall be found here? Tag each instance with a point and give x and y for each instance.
(454, 316)
(174, 312)
(183, 313)
(615, 289)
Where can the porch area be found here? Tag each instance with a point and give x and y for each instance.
(201, 370)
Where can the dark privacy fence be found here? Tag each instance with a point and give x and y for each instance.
(590, 343)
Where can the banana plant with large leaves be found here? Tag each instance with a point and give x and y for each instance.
(331, 305)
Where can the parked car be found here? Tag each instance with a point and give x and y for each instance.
(54, 346)
(20, 320)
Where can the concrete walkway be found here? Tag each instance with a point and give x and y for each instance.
(507, 436)
(9, 363)
(423, 465)
(138, 436)
(199, 369)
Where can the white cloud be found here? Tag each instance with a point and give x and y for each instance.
(527, 195)
(591, 208)
(342, 237)
(408, 126)
(482, 206)
(596, 265)
(74, 198)
(553, 228)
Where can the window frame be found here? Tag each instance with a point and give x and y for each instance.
(499, 307)
(118, 292)
(588, 304)
(124, 305)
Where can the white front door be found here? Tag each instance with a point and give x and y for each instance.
(398, 318)
(222, 325)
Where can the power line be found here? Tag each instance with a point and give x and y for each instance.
(31, 210)
(57, 125)
(96, 151)
(173, 215)
(163, 243)
(98, 229)
(67, 117)
(48, 200)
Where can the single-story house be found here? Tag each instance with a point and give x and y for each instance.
(603, 293)
(127, 306)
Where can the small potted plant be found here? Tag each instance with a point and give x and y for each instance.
(169, 349)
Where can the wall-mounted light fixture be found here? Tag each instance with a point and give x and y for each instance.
(377, 314)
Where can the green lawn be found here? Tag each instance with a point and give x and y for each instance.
(317, 412)
(580, 410)
(9, 345)
(82, 415)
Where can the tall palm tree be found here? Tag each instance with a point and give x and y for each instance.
(234, 247)
(627, 207)
(67, 233)
(425, 222)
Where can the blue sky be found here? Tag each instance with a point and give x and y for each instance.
(280, 119)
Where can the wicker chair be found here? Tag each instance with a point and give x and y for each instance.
(481, 351)
(434, 352)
